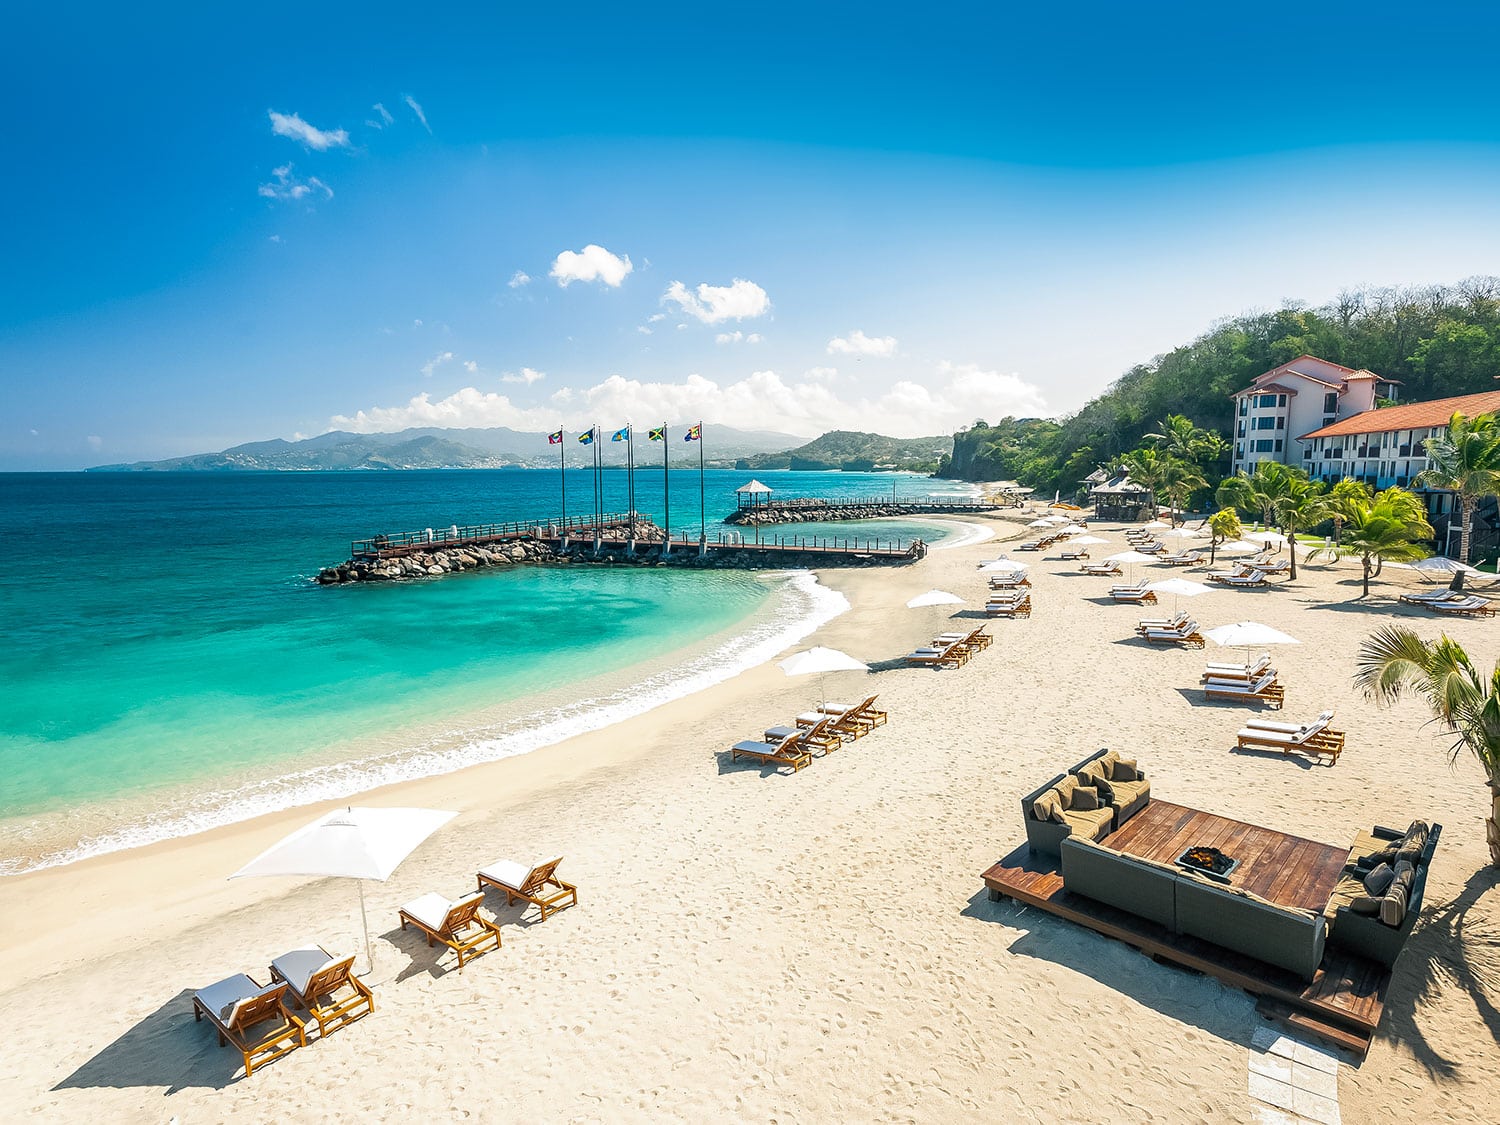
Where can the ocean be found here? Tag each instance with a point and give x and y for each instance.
(169, 666)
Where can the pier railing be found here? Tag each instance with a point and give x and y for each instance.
(928, 504)
(456, 535)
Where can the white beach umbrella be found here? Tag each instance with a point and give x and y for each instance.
(819, 661)
(1131, 557)
(1040, 523)
(1155, 525)
(1003, 566)
(1067, 529)
(1237, 547)
(934, 597)
(1266, 537)
(1248, 634)
(1088, 541)
(1437, 564)
(1179, 533)
(350, 843)
(1055, 520)
(1179, 588)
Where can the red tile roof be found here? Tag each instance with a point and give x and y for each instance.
(1412, 416)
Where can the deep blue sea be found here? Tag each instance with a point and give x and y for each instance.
(168, 665)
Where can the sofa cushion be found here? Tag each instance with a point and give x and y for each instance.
(1128, 792)
(1125, 769)
(1085, 799)
(1374, 859)
(1393, 904)
(1091, 825)
(1365, 904)
(1105, 790)
(1049, 807)
(1378, 881)
(1412, 844)
(1344, 892)
(1065, 789)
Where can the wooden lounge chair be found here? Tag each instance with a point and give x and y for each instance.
(1429, 597)
(1162, 624)
(1073, 554)
(938, 656)
(1186, 558)
(1101, 569)
(458, 925)
(1020, 607)
(787, 752)
(313, 979)
(1313, 738)
(1251, 578)
(1468, 607)
(251, 1016)
(1033, 545)
(1134, 595)
(818, 736)
(1009, 581)
(1264, 688)
(538, 885)
(1186, 634)
(861, 714)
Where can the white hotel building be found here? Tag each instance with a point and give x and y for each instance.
(1299, 397)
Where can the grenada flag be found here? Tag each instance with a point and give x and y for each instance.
(694, 433)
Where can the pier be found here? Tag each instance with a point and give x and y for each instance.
(758, 510)
(581, 539)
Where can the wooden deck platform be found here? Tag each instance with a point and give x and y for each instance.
(1344, 1001)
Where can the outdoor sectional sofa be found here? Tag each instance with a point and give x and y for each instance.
(1078, 808)
(1376, 926)
(1187, 903)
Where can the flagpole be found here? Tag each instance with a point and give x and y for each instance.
(702, 503)
(666, 492)
(562, 464)
(598, 493)
(630, 478)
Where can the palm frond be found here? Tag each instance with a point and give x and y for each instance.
(1391, 660)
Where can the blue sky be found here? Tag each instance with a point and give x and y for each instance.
(891, 219)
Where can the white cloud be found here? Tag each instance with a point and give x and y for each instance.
(435, 362)
(592, 263)
(857, 343)
(289, 188)
(526, 375)
(654, 317)
(470, 366)
(821, 374)
(417, 109)
(293, 127)
(643, 330)
(953, 397)
(739, 300)
(385, 115)
(737, 337)
(518, 279)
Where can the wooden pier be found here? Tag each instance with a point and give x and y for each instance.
(755, 509)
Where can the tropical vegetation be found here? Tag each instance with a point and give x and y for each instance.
(1466, 702)
(1390, 526)
(1464, 459)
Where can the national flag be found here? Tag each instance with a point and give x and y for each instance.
(658, 434)
(587, 437)
(622, 434)
(694, 433)
(555, 438)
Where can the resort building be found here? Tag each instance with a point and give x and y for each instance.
(1302, 395)
(1389, 447)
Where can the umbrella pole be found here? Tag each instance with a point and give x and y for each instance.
(365, 918)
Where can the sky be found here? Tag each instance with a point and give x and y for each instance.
(272, 221)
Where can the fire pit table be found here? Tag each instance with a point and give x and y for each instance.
(1208, 861)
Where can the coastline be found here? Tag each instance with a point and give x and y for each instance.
(823, 936)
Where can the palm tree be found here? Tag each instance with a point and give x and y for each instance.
(1346, 493)
(1224, 526)
(1464, 460)
(1466, 703)
(1179, 480)
(1145, 469)
(1391, 527)
(1257, 491)
(1300, 505)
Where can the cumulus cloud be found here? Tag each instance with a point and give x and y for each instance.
(526, 375)
(518, 279)
(417, 109)
(435, 362)
(857, 343)
(739, 300)
(470, 366)
(821, 374)
(289, 188)
(953, 397)
(292, 126)
(737, 337)
(592, 263)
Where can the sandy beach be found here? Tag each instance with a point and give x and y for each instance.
(810, 947)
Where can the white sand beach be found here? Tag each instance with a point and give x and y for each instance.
(811, 947)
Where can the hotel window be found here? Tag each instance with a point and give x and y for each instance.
(1267, 400)
(1331, 403)
(1265, 423)
(1280, 422)
(1263, 445)
(1328, 421)
(1244, 407)
(1242, 429)
(1278, 445)
(1281, 400)
(1307, 455)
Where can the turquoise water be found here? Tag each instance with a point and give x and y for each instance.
(169, 666)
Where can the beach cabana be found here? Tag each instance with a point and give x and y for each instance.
(753, 497)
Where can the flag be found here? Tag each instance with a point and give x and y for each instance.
(622, 434)
(587, 437)
(658, 434)
(555, 438)
(694, 433)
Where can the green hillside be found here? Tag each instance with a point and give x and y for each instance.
(855, 451)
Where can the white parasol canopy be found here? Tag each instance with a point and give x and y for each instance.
(1237, 547)
(1003, 566)
(1437, 564)
(1267, 537)
(350, 843)
(1131, 557)
(1155, 525)
(1179, 587)
(1249, 634)
(1040, 523)
(1088, 541)
(1179, 533)
(934, 597)
(818, 661)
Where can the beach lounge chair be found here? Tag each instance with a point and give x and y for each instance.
(1186, 634)
(458, 925)
(975, 640)
(1279, 566)
(1253, 670)
(818, 736)
(1014, 607)
(1073, 554)
(846, 720)
(1155, 547)
(251, 1016)
(787, 752)
(1008, 581)
(1264, 688)
(939, 656)
(1160, 624)
(1314, 738)
(1135, 595)
(1244, 580)
(1101, 569)
(314, 978)
(1430, 596)
(1469, 607)
(538, 885)
(1032, 545)
(1186, 558)
(862, 714)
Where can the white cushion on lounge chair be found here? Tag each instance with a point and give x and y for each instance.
(1276, 737)
(810, 718)
(222, 997)
(298, 966)
(431, 909)
(1278, 728)
(509, 873)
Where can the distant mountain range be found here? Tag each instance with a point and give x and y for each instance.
(433, 448)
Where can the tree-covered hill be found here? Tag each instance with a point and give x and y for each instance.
(1437, 341)
(850, 449)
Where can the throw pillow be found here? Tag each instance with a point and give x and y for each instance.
(1045, 805)
(1106, 792)
(1125, 769)
(1065, 789)
(1393, 905)
(1378, 881)
(1375, 859)
(1085, 799)
(1364, 904)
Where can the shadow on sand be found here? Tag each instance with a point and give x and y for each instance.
(166, 1050)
